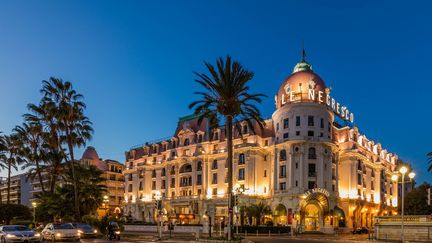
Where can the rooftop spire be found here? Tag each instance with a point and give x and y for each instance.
(302, 65)
(303, 53)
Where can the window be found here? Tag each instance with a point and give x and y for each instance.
(163, 185)
(311, 121)
(310, 133)
(216, 136)
(214, 191)
(199, 165)
(129, 177)
(296, 165)
(296, 183)
(186, 142)
(199, 191)
(282, 155)
(214, 178)
(200, 138)
(282, 171)
(163, 173)
(245, 129)
(322, 123)
(297, 133)
(172, 170)
(199, 179)
(153, 185)
(130, 188)
(329, 127)
(265, 142)
(277, 126)
(241, 159)
(312, 153)
(265, 173)
(359, 179)
(215, 164)
(241, 174)
(141, 186)
(153, 173)
(173, 182)
(173, 194)
(312, 170)
(285, 135)
(311, 184)
(297, 121)
(286, 123)
(282, 186)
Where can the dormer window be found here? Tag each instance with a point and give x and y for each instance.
(186, 142)
(245, 129)
(200, 138)
(216, 136)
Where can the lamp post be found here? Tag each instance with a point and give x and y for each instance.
(239, 190)
(158, 199)
(403, 170)
(34, 205)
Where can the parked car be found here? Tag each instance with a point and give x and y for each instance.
(18, 233)
(85, 230)
(361, 230)
(61, 231)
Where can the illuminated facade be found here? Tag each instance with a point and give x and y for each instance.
(314, 173)
(114, 181)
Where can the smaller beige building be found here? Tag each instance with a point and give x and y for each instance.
(112, 172)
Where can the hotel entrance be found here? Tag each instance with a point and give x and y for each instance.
(313, 209)
(311, 218)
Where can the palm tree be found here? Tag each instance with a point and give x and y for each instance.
(31, 135)
(2, 157)
(429, 155)
(258, 211)
(75, 126)
(11, 158)
(226, 97)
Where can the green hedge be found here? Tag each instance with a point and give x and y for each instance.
(264, 229)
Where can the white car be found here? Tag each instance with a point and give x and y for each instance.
(61, 231)
(18, 233)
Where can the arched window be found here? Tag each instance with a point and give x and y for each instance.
(312, 153)
(186, 168)
(282, 155)
(186, 142)
(199, 165)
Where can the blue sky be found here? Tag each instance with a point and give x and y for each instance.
(133, 61)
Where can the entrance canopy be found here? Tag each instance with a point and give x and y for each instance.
(317, 198)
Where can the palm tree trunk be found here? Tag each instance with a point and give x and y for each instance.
(230, 172)
(77, 209)
(38, 171)
(9, 181)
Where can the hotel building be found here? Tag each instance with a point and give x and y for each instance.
(114, 181)
(309, 163)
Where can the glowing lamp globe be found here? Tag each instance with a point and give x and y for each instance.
(411, 175)
(403, 170)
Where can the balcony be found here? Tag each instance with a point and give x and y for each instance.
(312, 174)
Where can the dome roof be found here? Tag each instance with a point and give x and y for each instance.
(90, 154)
(299, 83)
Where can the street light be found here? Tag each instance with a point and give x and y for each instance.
(158, 198)
(34, 205)
(403, 170)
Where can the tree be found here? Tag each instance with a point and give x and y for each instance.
(226, 97)
(11, 157)
(90, 191)
(31, 135)
(2, 160)
(14, 211)
(415, 202)
(76, 127)
(258, 211)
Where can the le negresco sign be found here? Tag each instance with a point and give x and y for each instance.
(318, 96)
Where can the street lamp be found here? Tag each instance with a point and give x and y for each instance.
(403, 170)
(158, 198)
(34, 205)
